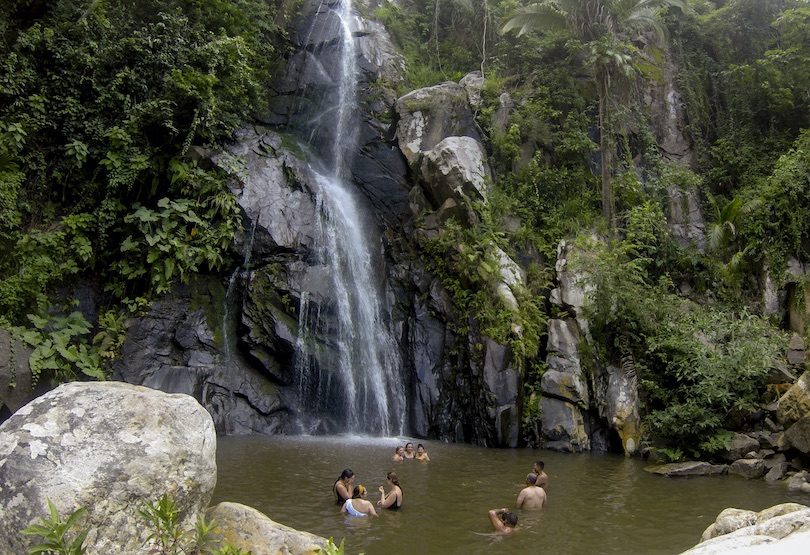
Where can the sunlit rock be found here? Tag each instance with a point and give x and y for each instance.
(795, 404)
(106, 447)
(428, 116)
(780, 529)
(247, 529)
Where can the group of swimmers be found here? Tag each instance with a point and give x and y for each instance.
(533, 496)
(407, 453)
(354, 501)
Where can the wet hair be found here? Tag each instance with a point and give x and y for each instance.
(510, 519)
(409, 443)
(531, 477)
(346, 474)
(540, 464)
(394, 480)
(420, 445)
(358, 492)
(397, 448)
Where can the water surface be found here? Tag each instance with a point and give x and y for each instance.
(598, 503)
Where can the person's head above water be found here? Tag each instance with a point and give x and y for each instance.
(358, 492)
(531, 478)
(510, 519)
(346, 475)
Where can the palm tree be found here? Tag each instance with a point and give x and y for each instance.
(604, 29)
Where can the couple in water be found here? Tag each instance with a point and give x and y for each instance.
(356, 502)
(406, 453)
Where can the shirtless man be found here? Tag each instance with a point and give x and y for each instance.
(503, 521)
(542, 478)
(532, 496)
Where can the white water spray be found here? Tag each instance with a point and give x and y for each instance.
(361, 387)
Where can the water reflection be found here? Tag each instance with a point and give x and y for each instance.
(596, 503)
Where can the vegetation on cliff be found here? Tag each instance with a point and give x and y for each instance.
(106, 107)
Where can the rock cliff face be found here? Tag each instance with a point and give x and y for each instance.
(233, 344)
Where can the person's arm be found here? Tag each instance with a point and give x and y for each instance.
(520, 499)
(343, 509)
(427, 458)
(343, 491)
(371, 510)
(495, 519)
(381, 502)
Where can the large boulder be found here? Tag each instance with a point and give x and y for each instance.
(428, 116)
(795, 404)
(247, 529)
(107, 447)
(783, 528)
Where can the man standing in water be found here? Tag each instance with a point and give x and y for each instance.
(502, 520)
(532, 496)
(542, 478)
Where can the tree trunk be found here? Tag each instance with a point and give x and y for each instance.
(605, 151)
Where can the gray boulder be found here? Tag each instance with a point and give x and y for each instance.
(748, 468)
(247, 529)
(428, 116)
(690, 468)
(106, 447)
(783, 528)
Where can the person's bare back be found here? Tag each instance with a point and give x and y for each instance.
(532, 496)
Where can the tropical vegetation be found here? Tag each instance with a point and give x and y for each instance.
(108, 109)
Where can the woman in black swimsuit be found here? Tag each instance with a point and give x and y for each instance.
(393, 499)
(342, 488)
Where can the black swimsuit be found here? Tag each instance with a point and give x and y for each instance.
(339, 500)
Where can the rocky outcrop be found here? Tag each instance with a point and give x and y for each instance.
(691, 468)
(186, 344)
(780, 529)
(247, 529)
(17, 385)
(430, 115)
(106, 447)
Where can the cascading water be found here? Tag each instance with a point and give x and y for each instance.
(357, 386)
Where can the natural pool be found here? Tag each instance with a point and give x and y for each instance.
(598, 503)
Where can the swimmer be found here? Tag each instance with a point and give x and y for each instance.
(398, 454)
(393, 499)
(542, 478)
(358, 505)
(342, 487)
(421, 454)
(532, 496)
(503, 521)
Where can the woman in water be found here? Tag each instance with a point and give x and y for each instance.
(393, 499)
(408, 454)
(343, 486)
(421, 454)
(398, 452)
(358, 505)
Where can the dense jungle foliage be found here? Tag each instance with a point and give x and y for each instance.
(105, 106)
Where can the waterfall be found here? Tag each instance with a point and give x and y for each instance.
(347, 360)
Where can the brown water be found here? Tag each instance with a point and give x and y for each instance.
(598, 503)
